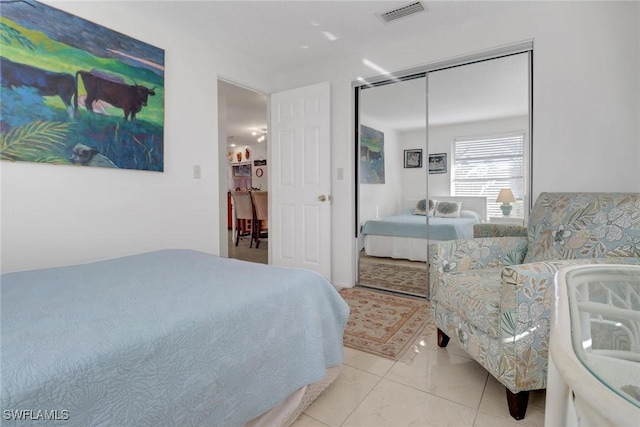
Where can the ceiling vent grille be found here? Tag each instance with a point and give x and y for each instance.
(401, 12)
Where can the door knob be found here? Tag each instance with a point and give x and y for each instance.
(322, 198)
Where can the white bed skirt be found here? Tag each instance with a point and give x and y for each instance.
(410, 248)
(284, 414)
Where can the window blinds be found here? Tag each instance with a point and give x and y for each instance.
(482, 166)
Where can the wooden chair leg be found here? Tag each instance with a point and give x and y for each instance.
(258, 226)
(237, 233)
(251, 231)
(443, 339)
(517, 403)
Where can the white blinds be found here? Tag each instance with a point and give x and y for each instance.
(482, 166)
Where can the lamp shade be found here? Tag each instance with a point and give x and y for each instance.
(506, 196)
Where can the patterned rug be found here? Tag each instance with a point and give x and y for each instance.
(383, 324)
(403, 276)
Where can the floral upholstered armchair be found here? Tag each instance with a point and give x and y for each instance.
(493, 295)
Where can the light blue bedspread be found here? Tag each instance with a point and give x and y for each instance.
(406, 224)
(173, 337)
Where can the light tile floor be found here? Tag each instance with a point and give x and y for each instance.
(439, 387)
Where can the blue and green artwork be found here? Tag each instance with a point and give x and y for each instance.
(371, 156)
(76, 93)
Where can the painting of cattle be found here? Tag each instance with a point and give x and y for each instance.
(46, 83)
(131, 98)
(74, 92)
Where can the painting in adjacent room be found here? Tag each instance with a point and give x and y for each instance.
(76, 93)
(371, 156)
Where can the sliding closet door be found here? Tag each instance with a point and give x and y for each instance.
(479, 139)
(472, 140)
(392, 179)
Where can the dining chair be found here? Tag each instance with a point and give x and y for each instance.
(260, 204)
(243, 207)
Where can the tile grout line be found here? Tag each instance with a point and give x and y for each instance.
(363, 399)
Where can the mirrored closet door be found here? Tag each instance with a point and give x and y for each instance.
(431, 167)
(393, 120)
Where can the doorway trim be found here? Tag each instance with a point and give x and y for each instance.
(223, 164)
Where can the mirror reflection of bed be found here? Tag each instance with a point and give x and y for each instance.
(394, 248)
(482, 101)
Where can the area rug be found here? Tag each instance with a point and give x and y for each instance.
(396, 275)
(383, 324)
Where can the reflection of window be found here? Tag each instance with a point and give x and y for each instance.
(482, 166)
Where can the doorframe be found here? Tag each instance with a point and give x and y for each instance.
(223, 165)
(526, 46)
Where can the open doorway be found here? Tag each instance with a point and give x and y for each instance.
(243, 125)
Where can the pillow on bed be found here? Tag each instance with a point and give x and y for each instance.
(421, 207)
(448, 209)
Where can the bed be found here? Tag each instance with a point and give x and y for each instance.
(172, 337)
(404, 235)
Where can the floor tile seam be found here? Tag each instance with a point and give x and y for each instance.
(360, 401)
(484, 390)
(313, 418)
(493, 414)
(368, 372)
(436, 395)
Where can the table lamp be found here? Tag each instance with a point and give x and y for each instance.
(506, 197)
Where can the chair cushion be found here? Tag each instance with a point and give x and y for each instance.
(474, 296)
(584, 225)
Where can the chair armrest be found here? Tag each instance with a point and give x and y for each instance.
(472, 254)
(499, 230)
(526, 300)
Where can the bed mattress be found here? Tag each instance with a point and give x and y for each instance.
(173, 337)
(415, 226)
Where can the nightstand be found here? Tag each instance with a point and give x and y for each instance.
(515, 220)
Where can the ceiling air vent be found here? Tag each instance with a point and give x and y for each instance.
(401, 12)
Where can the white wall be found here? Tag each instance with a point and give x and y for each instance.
(379, 200)
(441, 137)
(414, 180)
(586, 109)
(586, 98)
(55, 215)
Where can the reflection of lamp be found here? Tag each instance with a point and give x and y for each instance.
(506, 197)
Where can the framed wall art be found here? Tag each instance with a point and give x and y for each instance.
(371, 156)
(75, 92)
(438, 163)
(413, 158)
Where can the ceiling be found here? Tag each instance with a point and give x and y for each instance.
(287, 35)
(246, 113)
(481, 91)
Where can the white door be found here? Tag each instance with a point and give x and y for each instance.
(300, 207)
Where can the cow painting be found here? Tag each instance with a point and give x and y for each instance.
(47, 83)
(131, 98)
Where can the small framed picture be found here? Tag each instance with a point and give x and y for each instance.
(413, 158)
(438, 163)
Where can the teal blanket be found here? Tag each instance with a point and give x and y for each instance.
(405, 224)
(173, 337)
